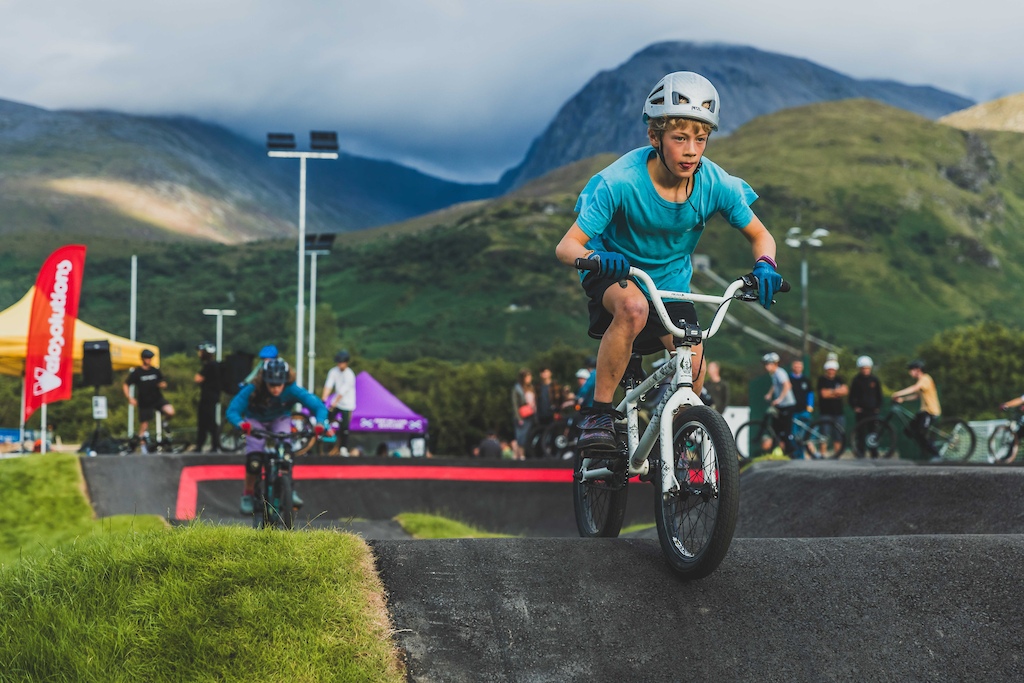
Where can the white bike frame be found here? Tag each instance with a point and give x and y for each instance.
(681, 394)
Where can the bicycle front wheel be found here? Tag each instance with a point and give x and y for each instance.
(874, 438)
(696, 520)
(953, 439)
(284, 512)
(599, 502)
(825, 438)
(1002, 446)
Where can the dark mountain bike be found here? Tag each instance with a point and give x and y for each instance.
(148, 443)
(950, 437)
(272, 497)
(821, 438)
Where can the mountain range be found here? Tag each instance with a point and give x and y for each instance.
(102, 173)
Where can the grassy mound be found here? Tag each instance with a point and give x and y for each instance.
(197, 603)
(129, 599)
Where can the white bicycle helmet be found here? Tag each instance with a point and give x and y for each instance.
(771, 357)
(686, 94)
(865, 362)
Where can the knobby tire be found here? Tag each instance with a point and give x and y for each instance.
(696, 522)
(285, 512)
(1002, 445)
(874, 438)
(749, 438)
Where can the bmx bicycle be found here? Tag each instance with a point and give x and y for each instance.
(272, 497)
(687, 449)
(952, 438)
(821, 438)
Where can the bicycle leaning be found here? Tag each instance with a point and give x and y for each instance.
(949, 437)
(686, 449)
(1004, 441)
(819, 439)
(272, 497)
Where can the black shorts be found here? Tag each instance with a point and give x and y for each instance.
(148, 412)
(649, 339)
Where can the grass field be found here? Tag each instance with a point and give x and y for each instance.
(133, 600)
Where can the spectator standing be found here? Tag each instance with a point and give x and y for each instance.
(718, 388)
(208, 379)
(340, 394)
(149, 383)
(804, 396)
(780, 396)
(832, 391)
(546, 391)
(524, 410)
(865, 396)
(924, 389)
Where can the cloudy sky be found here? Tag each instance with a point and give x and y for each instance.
(458, 88)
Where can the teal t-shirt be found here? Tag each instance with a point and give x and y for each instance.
(620, 211)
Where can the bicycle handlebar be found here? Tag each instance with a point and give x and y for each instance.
(266, 434)
(743, 288)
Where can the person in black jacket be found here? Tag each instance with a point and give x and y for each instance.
(804, 395)
(208, 379)
(865, 396)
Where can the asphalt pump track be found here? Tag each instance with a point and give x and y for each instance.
(840, 571)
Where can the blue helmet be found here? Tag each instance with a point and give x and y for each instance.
(342, 356)
(269, 351)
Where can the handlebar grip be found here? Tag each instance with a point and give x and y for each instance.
(588, 264)
(785, 286)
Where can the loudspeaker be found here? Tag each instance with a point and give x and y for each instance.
(97, 369)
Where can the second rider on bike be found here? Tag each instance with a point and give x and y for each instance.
(649, 209)
(267, 404)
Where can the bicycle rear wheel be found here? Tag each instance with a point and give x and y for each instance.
(1002, 446)
(825, 438)
(953, 439)
(754, 439)
(874, 438)
(600, 503)
(696, 521)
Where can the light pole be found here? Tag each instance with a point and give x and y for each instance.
(220, 313)
(316, 245)
(282, 146)
(797, 240)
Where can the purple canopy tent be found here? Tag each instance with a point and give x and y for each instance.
(378, 410)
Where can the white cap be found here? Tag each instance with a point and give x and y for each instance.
(583, 373)
(831, 365)
(865, 362)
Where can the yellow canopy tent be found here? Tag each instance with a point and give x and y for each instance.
(124, 353)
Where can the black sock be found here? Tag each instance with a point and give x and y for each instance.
(602, 407)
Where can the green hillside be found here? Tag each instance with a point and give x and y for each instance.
(924, 237)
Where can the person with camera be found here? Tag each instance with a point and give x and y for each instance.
(208, 379)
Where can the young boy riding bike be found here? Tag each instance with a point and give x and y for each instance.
(649, 209)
